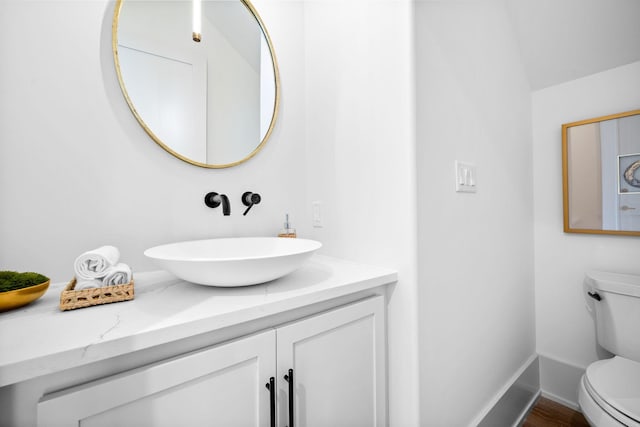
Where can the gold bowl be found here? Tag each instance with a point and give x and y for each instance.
(19, 297)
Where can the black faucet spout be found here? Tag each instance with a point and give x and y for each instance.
(213, 200)
(226, 206)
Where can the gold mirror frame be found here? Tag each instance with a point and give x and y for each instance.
(276, 104)
(565, 177)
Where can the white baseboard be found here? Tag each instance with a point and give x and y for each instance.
(542, 375)
(561, 401)
(525, 411)
(559, 380)
(514, 401)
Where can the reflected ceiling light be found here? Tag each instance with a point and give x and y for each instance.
(197, 20)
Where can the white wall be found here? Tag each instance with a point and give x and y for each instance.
(360, 158)
(565, 330)
(76, 169)
(476, 294)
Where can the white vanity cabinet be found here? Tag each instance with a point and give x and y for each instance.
(222, 384)
(338, 365)
(186, 355)
(335, 359)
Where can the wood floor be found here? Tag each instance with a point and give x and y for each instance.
(548, 413)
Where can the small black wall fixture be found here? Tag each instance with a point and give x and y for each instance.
(596, 296)
(249, 199)
(213, 200)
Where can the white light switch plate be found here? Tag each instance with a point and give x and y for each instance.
(466, 177)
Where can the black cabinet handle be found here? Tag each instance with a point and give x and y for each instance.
(271, 386)
(289, 379)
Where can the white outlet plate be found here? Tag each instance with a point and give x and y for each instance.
(466, 177)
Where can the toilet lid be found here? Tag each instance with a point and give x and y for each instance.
(617, 383)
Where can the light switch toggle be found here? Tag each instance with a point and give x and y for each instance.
(466, 177)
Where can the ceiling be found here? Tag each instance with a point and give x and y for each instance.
(562, 40)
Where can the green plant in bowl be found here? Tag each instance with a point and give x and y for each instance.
(18, 289)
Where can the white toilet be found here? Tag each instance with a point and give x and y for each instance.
(609, 393)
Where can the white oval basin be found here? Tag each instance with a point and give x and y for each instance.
(237, 261)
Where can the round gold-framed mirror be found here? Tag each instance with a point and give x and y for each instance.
(200, 76)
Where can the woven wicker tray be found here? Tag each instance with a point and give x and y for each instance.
(71, 299)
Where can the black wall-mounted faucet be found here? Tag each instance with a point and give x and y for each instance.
(249, 199)
(213, 200)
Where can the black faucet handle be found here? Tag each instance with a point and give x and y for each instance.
(212, 199)
(249, 199)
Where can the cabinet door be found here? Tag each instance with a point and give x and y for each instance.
(219, 386)
(338, 363)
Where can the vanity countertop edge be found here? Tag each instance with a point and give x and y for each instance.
(39, 339)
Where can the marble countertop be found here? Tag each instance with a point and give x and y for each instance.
(39, 339)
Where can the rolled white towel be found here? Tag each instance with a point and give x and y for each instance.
(119, 274)
(94, 264)
(87, 284)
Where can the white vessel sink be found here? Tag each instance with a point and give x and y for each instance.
(237, 261)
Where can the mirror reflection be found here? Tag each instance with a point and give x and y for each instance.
(209, 100)
(601, 174)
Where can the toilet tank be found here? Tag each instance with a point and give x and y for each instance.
(616, 302)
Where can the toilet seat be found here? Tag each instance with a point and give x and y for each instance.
(614, 386)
